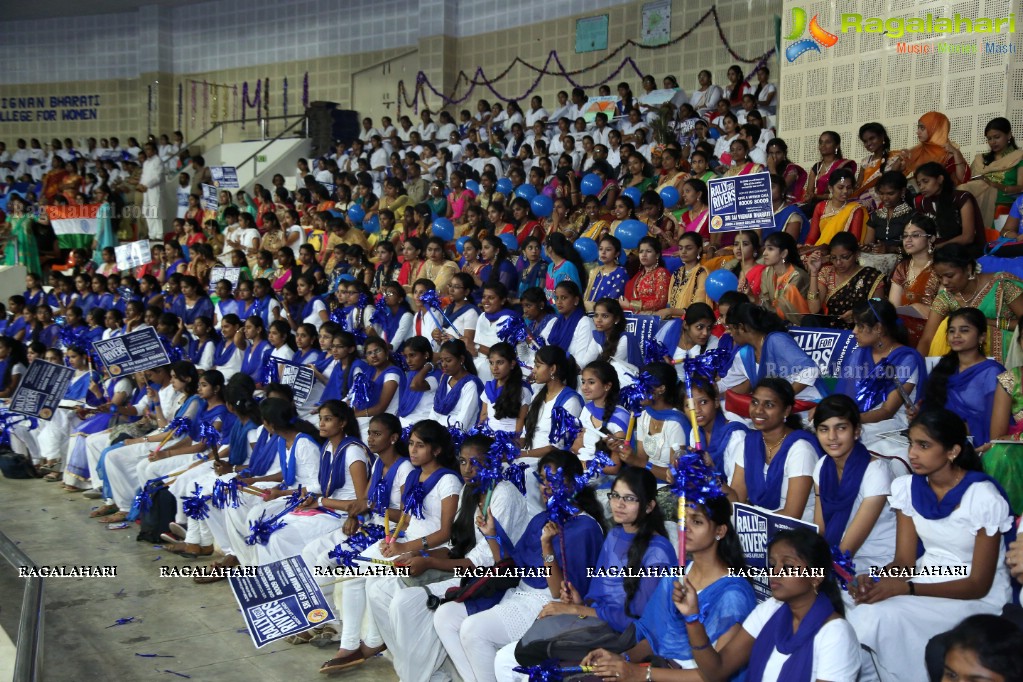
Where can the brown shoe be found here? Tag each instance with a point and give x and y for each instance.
(114, 518)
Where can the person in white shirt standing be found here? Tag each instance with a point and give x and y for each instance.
(536, 112)
(150, 185)
(184, 188)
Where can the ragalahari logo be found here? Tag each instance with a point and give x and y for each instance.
(818, 36)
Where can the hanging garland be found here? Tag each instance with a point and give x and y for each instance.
(285, 99)
(479, 77)
(266, 98)
(181, 90)
(193, 102)
(305, 90)
(253, 103)
(205, 105)
(234, 102)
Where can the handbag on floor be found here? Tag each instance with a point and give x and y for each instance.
(158, 519)
(569, 638)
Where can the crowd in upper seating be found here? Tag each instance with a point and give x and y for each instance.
(464, 284)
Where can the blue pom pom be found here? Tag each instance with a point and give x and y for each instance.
(655, 351)
(225, 494)
(343, 557)
(195, 506)
(548, 671)
(693, 479)
(565, 427)
(845, 569)
(632, 396)
(210, 435)
(359, 394)
(430, 299)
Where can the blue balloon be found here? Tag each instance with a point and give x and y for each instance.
(673, 263)
(460, 244)
(634, 194)
(630, 232)
(526, 192)
(504, 186)
(541, 204)
(719, 282)
(372, 226)
(443, 228)
(472, 186)
(669, 195)
(347, 277)
(587, 249)
(356, 214)
(510, 241)
(591, 185)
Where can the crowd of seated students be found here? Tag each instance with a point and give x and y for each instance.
(338, 271)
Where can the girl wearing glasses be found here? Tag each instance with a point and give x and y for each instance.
(636, 541)
(913, 281)
(473, 641)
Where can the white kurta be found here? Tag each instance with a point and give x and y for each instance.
(152, 178)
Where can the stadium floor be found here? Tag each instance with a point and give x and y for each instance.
(198, 625)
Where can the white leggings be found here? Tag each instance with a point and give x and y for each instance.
(405, 624)
(472, 641)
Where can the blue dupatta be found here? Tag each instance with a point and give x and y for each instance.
(837, 497)
(410, 398)
(870, 383)
(971, 395)
(780, 356)
(446, 397)
(765, 490)
(563, 329)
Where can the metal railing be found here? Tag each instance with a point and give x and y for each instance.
(254, 157)
(261, 121)
(28, 661)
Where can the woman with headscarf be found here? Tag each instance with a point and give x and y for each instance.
(932, 131)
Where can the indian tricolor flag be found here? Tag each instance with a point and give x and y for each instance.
(74, 219)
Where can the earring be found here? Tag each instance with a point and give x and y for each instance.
(930, 248)
(973, 276)
(815, 589)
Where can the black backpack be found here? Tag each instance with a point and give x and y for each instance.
(13, 465)
(159, 517)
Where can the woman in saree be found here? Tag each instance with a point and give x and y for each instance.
(788, 217)
(882, 369)
(1003, 454)
(935, 147)
(609, 189)
(965, 380)
(793, 176)
(53, 181)
(671, 174)
(660, 223)
(688, 283)
(840, 213)
(913, 281)
(783, 282)
(840, 286)
(596, 221)
(639, 173)
(72, 183)
(696, 217)
(818, 180)
(647, 291)
(963, 285)
(21, 247)
(879, 160)
(741, 164)
(526, 225)
(955, 211)
(995, 177)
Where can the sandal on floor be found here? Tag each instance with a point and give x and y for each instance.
(105, 510)
(52, 476)
(336, 665)
(203, 552)
(113, 518)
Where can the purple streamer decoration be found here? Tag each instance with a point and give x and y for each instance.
(305, 90)
(480, 79)
(284, 100)
(181, 97)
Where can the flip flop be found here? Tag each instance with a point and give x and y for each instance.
(336, 665)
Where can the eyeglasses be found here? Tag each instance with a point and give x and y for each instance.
(627, 499)
(376, 351)
(915, 235)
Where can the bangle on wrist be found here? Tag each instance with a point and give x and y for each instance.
(912, 588)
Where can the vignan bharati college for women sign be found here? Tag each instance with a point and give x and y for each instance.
(49, 108)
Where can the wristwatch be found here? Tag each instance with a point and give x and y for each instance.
(548, 558)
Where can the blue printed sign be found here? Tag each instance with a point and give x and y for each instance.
(224, 177)
(829, 348)
(741, 202)
(210, 201)
(282, 599)
(135, 352)
(755, 528)
(300, 378)
(41, 389)
(641, 327)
